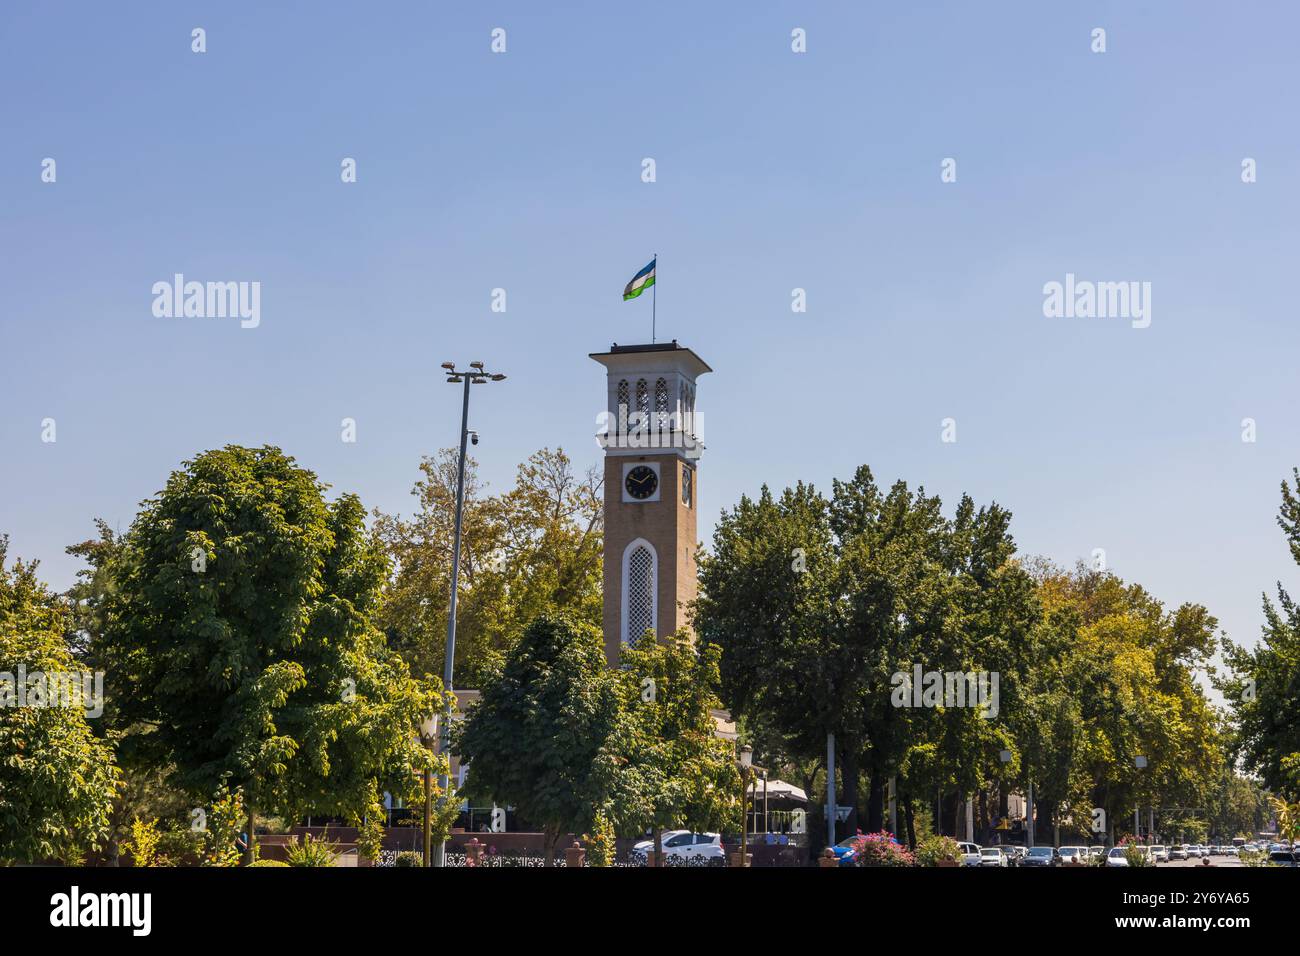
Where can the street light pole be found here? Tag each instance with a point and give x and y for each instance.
(746, 763)
(476, 376)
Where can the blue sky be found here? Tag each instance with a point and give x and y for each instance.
(775, 171)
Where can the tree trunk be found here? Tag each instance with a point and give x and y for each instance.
(847, 795)
(909, 820)
(658, 848)
(876, 802)
(1046, 814)
(549, 838)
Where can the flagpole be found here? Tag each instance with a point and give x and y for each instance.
(654, 301)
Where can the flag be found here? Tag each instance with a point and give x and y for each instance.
(641, 281)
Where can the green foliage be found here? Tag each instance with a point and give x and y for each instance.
(269, 863)
(1263, 683)
(179, 846)
(934, 850)
(816, 603)
(1136, 857)
(370, 835)
(539, 729)
(143, 842)
(533, 550)
(600, 842)
(409, 858)
(309, 852)
(237, 624)
(57, 778)
(664, 765)
(224, 821)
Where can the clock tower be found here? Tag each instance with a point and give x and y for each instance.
(651, 437)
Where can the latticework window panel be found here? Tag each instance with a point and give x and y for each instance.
(640, 592)
(661, 405)
(642, 403)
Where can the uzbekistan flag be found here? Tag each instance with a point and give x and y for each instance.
(641, 281)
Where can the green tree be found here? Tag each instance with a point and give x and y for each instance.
(817, 604)
(537, 736)
(1263, 684)
(239, 634)
(667, 766)
(57, 778)
(533, 550)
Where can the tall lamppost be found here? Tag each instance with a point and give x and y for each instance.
(746, 770)
(428, 732)
(476, 375)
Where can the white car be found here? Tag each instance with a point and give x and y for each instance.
(683, 846)
(1178, 852)
(993, 856)
(1074, 854)
(970, 854)
(1160, 854)
(1115, 857)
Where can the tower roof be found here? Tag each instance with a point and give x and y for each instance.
(620, 356)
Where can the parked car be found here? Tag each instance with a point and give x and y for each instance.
(684, 847)
(1178, 852)
(993, 856)
(1115, 857)
(1160, 853)
(1015, 853)
(1041, 856)
(970, 854)
(1284, 857)
(845, 852)
(1073, 854)
(1094, 852)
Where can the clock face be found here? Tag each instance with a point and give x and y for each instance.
(641, 482)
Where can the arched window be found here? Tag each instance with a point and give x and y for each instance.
(624, 399)
(640, 589)
(661, 405)
(643, 404)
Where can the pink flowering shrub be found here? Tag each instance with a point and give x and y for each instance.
(881, 849)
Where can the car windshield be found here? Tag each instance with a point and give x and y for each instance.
(847, 843)
(992, 852)
(1040, 851)
(1116, 851)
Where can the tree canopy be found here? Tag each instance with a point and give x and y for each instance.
(57, 778)
(239, 637)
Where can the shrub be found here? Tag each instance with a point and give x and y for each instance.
(409, 858)
(1133, 855)
(370, 837)
(143, 842)
(937, 849)
(600, 842)
(178, 847)
(881, 849)
(270, 863)
(309, 852)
